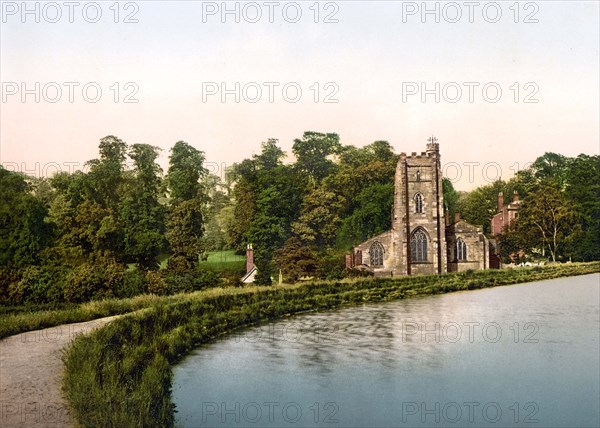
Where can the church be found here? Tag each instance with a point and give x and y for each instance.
(423, 239)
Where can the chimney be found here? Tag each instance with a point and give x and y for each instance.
(500, 201)
(249, 258)
(515, 196)
(456, 217)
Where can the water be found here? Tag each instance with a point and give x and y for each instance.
(521, 355)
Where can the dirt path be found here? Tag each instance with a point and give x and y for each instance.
(31, 372)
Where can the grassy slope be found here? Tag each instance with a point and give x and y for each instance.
(121, 374)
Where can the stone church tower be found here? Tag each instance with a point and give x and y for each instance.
(422, 240)
(418, 223)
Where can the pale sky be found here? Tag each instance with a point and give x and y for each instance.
(374, 59)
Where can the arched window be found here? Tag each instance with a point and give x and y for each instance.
(460, 250)
(376, 254)
(418, 203)
(418, 175)
(418, 246)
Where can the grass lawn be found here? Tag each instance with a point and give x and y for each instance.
(218, 261)
(224, 261)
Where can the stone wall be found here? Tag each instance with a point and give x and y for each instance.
(419, 174)
(477, 247)
(364, 249)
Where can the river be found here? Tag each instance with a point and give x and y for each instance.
(520, 355)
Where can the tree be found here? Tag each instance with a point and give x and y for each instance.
(185, 219)
(371, 216)
(551, 166)
(583, 189)
(106, 174)
(296, 260)
(319, 218)
(479, 206)
(23, 232)
(142, 214)
(312, 152)
(277, 206)
(184, 231)
(450, 196)
(185, 170)
(545, 219)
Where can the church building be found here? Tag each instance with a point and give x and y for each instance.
(423, 240)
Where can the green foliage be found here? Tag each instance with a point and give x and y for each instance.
(331, 265)
(23, 232)
(57, 234)
(372, 215)
(188, 281)
(450, 197)
(38, 285)
(93, 281)
(296, 260)
(141, 212)
(185, 228)
(545, 219)
(312, 152)
(319, 218)
(133, 283)
(185, 170)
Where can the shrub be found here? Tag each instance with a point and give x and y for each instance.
(358, 273)
(232, 279)
(93, 281)
(331, 265)
(205, 279)
(179, 282)
(156, 283)
(134, 282)
(37, 285)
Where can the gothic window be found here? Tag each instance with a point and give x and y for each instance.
(376, 254)
(418, 175)
(418, 246)
(418, 203)
(460, 250)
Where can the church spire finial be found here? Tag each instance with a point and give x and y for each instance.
(432, 145)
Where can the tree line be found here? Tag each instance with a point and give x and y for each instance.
(101, 233)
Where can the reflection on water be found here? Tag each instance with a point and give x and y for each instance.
(509, 356)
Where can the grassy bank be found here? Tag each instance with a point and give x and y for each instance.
(120, 375)
(14, 320)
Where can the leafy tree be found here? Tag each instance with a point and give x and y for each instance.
(184, 231)
(142, 214)
(215, 235)
(371, 216)
(583, 189)
(106, 174)
(312, 155)
(450, 196)
(545, 219)
(185, 170)
(296, 260)
(277, 206)
(479, 206)
(185, 220)
(319, 218)
(23, 232)
(551, 166)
